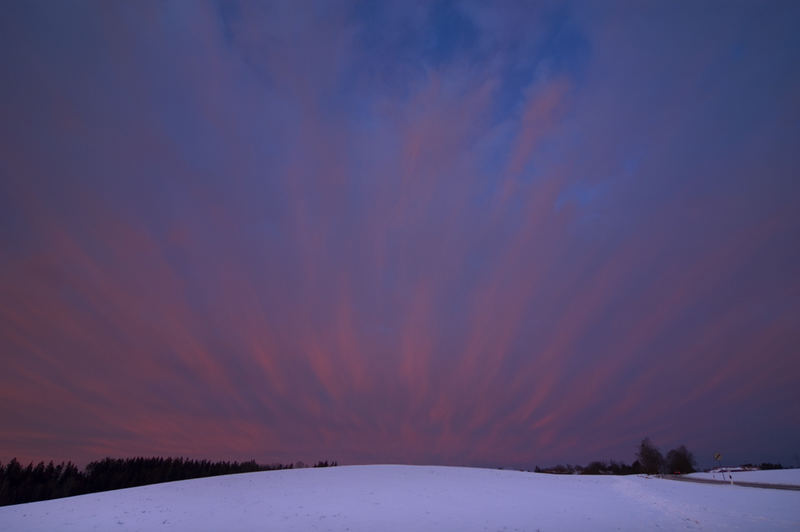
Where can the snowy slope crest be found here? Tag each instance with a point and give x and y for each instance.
(389, 497)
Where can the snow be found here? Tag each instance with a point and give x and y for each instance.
(789, 477)
(387, 497)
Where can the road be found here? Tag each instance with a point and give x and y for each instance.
(735, 483)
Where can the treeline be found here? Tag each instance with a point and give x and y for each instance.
(593, 468)
(763, 466)
(649, 460)
(42, 481)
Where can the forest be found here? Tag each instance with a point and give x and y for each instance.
(42, 481)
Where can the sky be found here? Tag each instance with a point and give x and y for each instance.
(459, 233)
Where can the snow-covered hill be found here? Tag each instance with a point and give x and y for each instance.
(386, 497)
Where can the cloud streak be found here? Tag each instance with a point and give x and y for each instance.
(382, 234)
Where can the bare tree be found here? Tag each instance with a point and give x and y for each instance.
(680, 461)
(650, 458)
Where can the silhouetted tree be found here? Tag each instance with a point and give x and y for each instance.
(559, 469)
(649, 457)
(680, 461)
(595, 468)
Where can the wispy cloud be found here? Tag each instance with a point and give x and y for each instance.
(396, 233)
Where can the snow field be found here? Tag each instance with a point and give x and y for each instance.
(389, 497)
